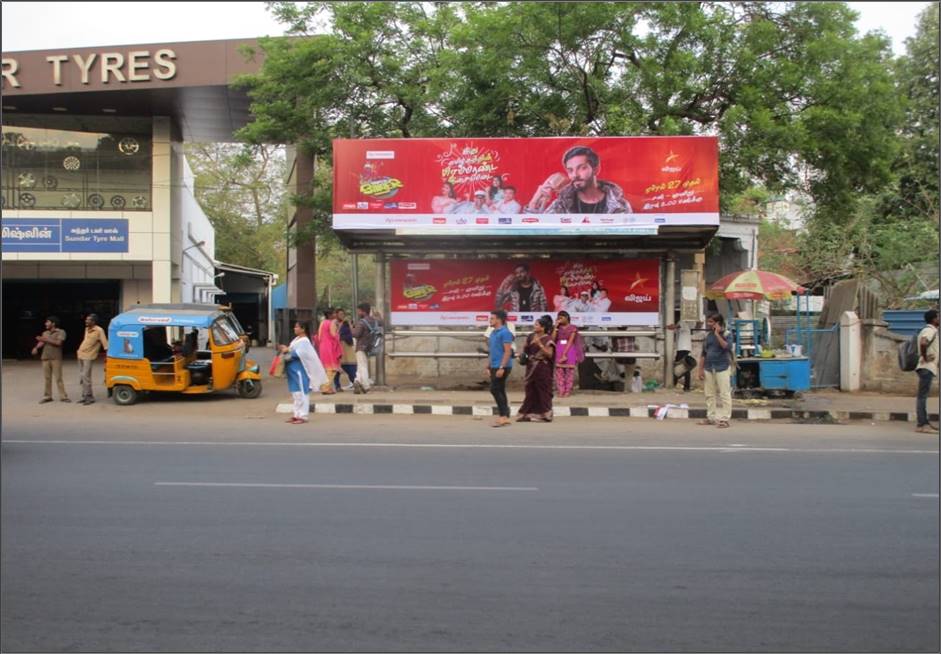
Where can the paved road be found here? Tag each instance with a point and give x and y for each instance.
(395, 533)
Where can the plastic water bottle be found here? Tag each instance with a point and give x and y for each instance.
(637, 384)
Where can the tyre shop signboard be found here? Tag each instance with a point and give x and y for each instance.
(463, 292)
(547, 186)
(64, 235)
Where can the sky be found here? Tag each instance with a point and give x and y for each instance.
(86, 24)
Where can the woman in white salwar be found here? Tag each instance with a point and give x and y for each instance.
(303, 370)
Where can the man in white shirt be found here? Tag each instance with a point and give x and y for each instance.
(927, 370)
(684, 345)
(479, 205)
(508, 205)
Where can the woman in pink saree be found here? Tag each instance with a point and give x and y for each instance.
(569, 352)
(329, 349)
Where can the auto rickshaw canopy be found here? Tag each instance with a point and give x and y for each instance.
(125, 332)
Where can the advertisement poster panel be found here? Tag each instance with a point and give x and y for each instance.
(603, 293)
(560, 185)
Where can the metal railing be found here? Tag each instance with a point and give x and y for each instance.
(477, 334)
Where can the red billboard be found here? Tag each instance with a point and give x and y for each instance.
(616, 185)
(463, 292)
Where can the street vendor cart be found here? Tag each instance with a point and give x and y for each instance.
(761, 370)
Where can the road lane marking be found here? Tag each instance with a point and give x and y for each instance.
(346, 486)
(933, 496)
(492, 446)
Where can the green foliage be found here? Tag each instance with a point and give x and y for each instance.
(241, 190)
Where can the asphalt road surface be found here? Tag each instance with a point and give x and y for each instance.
(395, 533)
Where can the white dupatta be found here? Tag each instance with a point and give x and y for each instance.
(304, 350)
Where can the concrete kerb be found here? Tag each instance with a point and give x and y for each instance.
(645, 411)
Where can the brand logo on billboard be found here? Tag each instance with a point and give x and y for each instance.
(462, 221)
(380, 188)
(607, 221)
(390, 205)
(505, 221)
(483, 221)
(670, 158)
(362, 205)
(637, 299)
(530, 219)
(606, 318)
(566, 219)
(526, 318)
(439, 221)
(482, 317)
(586, 220)
(407, 205)
(404, 220)
(418, 266)
(659, 220)
(375, 205)
(421, 292)
(380, 154)
(349, 205)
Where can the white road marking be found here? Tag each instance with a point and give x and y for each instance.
(346, 486)
(491, 446)
(933, 496)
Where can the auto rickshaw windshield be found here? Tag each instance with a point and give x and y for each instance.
(224, 332)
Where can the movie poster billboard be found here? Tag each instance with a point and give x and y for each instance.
(603, 293)
(549, 186)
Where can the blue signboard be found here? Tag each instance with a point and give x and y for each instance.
(64, 235)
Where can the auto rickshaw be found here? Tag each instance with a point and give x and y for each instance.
(180, 348)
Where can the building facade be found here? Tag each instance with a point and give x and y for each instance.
(99, 208)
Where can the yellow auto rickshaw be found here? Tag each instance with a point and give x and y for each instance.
(179, 348)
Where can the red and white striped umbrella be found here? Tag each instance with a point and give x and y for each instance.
(754, 285)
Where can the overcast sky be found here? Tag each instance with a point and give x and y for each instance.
(53, 25)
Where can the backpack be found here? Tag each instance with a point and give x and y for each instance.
(909, 353)
(375, 338)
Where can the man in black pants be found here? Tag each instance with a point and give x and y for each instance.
(500, 364)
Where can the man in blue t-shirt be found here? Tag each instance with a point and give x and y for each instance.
(500, 364)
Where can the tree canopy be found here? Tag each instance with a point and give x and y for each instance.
(797, 98)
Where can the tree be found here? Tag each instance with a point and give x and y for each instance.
(797, 99)
(241, 190)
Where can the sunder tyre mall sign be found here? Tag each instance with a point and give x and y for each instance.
(537, 186)
(103, 67)
(64, 235)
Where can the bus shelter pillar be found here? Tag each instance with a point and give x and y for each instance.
(382, 305)
(669, 302)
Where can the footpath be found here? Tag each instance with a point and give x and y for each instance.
(22, 389)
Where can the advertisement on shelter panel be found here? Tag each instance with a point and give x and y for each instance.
(548, 186)
(603, 293)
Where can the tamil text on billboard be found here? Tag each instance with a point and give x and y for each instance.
(527, 186)
(604, 293)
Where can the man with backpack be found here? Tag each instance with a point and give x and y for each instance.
(368, 335)
(927, 370)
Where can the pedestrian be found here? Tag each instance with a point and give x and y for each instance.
(927, 370)
(500, 346)
(303, 370)
(538, 355)
(50, 342)
(95, 339)
(364, 334)
(569, 352)
(348, 360)
(714, 369)
(328, 348)
(684, 345)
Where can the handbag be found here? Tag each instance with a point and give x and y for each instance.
(524, 358)
(277, 367)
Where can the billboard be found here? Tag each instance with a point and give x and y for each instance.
(604, 293)
(549, 186)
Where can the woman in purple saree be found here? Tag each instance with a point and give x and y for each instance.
(569, 352)
(540, 350)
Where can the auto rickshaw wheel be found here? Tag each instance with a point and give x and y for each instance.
(249, 388)
(124, 395)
